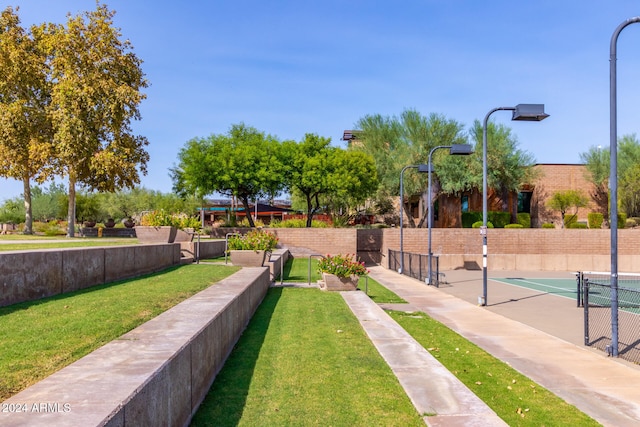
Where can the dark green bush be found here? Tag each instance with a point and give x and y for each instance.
(469, 218)
(499, 219)
(595, 219)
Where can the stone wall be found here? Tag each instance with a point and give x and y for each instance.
(34, 274)
(155, 375)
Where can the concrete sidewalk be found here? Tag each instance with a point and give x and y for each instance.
(535, 333)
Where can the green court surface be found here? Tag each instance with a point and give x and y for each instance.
(563, 287)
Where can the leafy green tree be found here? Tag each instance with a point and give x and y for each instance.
(396, 142)
(25, 132)
(243, 163)
(308, 170)
(564, 200)
(96, 89)
(596, 161)
(49, 203)
(508, 167)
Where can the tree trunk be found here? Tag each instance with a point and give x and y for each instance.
(28, 217)
(71, 209)
(407, 212)
(245, 203)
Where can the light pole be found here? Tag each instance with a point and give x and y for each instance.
(454, 149)
(422, 168)
(613, 180)
(521, 112)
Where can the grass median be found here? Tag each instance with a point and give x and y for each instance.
(515, 398)
(305, 360)
(40, 337)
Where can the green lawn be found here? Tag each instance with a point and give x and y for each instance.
(296, 270)
(304, 360)
(515, 398)
(40, 337)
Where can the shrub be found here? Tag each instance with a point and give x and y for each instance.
(160, 218)
(499, 219)
(622, 219)
(298, 223)
(577, 225)
(478, 224)
(254, 240)
(469, 218)
(570, 219)
(341, 266)
(548, 225)
(595, 219)
(245, 223)
(524, 219)
(630, 223)
(635, 219)
(514, 226)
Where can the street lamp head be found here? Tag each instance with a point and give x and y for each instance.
(529, 113)
(461, 149)
(422, 168)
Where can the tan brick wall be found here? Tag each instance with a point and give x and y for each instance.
(554, 178)
(521, 249)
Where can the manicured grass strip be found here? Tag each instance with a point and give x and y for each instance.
(515, 398)
(64, 244)
(304, 360)
(40, 337)
(296, 270)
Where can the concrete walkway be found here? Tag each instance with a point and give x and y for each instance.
(515, 329)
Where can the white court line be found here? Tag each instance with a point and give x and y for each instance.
(540, 285)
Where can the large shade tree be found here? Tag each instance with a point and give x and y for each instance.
(25, 132)
(327, 177)
(399, 141)
(508, 167)
(243, 163)
(96, 89)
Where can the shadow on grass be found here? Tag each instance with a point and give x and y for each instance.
(225, 402)
(59, 297)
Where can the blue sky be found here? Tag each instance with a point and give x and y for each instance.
(293, 67)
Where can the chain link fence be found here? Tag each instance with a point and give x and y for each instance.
(597, 296)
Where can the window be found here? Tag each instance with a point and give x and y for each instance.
(464, 202)
(524, 201)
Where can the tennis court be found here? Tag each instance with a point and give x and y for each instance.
(560, 286)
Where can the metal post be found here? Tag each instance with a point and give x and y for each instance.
(484, 201)
(430, 215)
(613, 180)
(401, 269)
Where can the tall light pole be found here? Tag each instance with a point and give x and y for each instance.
(613, 180)
(422, 168)
(521, 112)
(454, 149)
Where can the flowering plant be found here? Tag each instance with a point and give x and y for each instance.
(256, 240)
(342, 265)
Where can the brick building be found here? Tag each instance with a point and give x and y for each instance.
(532, 198)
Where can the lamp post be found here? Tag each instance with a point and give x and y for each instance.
(422, 168)
(613, 180)
(521, 112)
(454, 149)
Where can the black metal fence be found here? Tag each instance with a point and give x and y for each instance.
(416, 266)
(595, 295)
